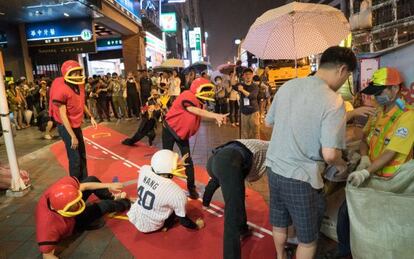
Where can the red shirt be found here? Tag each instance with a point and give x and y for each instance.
(184, 123)
(51, 227)
(61, 93)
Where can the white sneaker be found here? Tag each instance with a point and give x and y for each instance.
(47, 136)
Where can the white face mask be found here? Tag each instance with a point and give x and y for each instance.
(130, 80)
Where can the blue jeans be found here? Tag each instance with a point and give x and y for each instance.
(76, 157)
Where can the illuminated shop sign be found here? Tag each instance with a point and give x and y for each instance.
(109, 44)
(57, 32)
(129, 7)
(168, 22)
(154, 43)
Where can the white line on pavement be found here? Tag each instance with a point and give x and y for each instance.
(125, 163)
(112, 153)
(259, 235)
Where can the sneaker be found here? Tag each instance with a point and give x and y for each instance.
(47, 136)
(193, 194)
(233, 125)
(237, 124)
(128, 142)
(128, 119)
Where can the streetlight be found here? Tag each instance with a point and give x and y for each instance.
(237, 42)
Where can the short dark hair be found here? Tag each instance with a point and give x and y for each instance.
(336, 55)
(256, 78)
(247, 70)
(217, 77)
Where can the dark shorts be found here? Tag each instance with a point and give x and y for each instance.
(296, 202)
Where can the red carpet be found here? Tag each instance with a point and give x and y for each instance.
(108, 158)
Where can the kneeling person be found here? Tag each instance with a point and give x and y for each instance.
(61, 209)
(160, 200)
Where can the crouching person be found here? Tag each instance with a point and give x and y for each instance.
(61, 210)
(229, 166)
(160, 200)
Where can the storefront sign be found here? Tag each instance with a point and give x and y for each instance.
(192, 39)
(155, 50)
(129, 7)
(176, 1)
(109, 44)
(168, 22)
(86, 47)
(197, 31)
(185, 46)
(58, 32)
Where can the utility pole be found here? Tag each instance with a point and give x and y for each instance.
(18, 188)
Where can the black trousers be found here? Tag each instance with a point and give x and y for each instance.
(133, 104)
(343, 231)
(76, 157)
(146, 128)
(226, 170)
(168, 141)
(234, 111)
(103, 107)
(96, 210)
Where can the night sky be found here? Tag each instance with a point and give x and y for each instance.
(227, 20)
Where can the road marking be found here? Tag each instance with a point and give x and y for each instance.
(106, 153)
(112, 153)
(125, 163)
(114, 157)
(258, 234)
(95, 147)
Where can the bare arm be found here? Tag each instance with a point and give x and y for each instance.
(363, 147)
(87, 111)
(96, 186)
(381, 161)
(333, 156)
(220, 118)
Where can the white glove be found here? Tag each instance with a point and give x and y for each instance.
(364, 163)
(356, 178)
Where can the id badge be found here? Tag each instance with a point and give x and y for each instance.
(246, 101)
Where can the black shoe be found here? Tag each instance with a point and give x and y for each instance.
(123, 205)
(128, 142)
(193, 194)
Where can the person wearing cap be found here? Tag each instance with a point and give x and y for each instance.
(66, 107)
(61, 210)
(249, 106)
(387, 143)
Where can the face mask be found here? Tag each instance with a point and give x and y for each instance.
(131, 80)
(382, 100)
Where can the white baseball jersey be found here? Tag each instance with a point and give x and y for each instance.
(158, 197)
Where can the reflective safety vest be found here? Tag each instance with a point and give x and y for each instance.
(377, 141)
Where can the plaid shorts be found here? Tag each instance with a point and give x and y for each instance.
(294, 201)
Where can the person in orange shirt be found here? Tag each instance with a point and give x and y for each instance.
(387, 143)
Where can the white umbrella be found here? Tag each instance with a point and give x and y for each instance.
(296, 30)
(173, 63)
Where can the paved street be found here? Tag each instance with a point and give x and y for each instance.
(17, 226)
